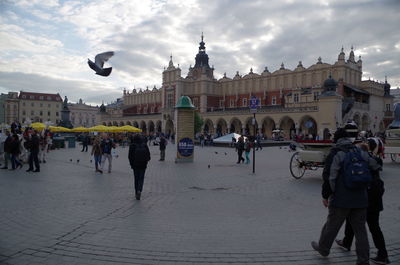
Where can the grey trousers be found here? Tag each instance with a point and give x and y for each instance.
(335, 220)
(162, 154)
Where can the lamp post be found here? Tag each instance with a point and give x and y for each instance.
(253, 109)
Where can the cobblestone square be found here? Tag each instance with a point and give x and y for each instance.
(212, 211)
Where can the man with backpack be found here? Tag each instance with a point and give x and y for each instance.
(106, 145)
(139, 156)
(163, 145)
(349, 176)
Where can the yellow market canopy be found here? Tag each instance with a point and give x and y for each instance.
(59, 129)
(38, 126)
(80, 129)
(127, 128)
(99, 128)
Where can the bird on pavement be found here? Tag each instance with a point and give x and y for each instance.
(98, 63)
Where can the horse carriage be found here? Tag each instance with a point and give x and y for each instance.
(392, 144)
(311, 156)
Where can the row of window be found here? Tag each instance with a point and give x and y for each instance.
(40, 97)
(40, 113)
(37, 120)
(41, 105)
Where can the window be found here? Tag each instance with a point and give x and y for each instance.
(32, 97)
(387, 107)
(57, 113)
(49, 105)
(48, 98)
(48, 113)
(23, 96)
(32, 104)
(170, 100)
(296, 97)
(196, 102)
(273, 100)
(232, 103)
(23, 104)
(41, 113)
(244, 102)
(41, 104)
(152, 109)
(23, 112)
(316, 94)
(32, 113)
(221, 103)
(41, 97)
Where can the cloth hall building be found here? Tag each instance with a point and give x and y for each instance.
(313, 100)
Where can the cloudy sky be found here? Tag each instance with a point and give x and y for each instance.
(44, 44)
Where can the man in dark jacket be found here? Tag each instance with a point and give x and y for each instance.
(163, 145)
(7, 150)
(240, 149)
(375, 206)
(139, 156)
(85, 142)
(33, 148)
(345, 203)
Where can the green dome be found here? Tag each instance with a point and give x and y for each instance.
(184, 103)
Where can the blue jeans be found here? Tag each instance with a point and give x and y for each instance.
(247, 157)
(97, 160)
(139, 178)
(14, 161)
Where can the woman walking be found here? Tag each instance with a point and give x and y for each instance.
(15, 151)
(96, 153)
(247, 148)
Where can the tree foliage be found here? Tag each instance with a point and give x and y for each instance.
(198, 122)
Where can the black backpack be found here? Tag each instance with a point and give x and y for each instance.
(355, 169)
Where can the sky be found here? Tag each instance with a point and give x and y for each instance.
(45, 44)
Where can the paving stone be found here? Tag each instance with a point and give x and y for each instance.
(189, 213)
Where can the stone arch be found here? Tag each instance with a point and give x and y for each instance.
(287, 125)
(208, 126)
(151, 127)
(267, 126)
(104, 123)
(169, 127)
(365, 121)
(135, 124)
(357, 119)
(222, 127)
(129, 123)
(109, 123)
(326, 134)
(115, 123)
(250, 127)
(143, 126)
(159, 126)
(121, 123)
(307, 126)
(235, 126)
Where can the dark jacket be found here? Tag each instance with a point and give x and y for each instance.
(7, 144)
(376, 190)
(342, 197)
(106, 146)
(163, 143)
(14, 147)
(136, 159)
(33, 143)
(326, 187)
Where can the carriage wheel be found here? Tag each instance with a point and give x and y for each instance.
(394, 157)
(297, 167)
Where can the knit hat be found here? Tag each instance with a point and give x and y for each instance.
(351, 129)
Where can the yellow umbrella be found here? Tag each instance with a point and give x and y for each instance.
(128, 128)
(38, 125)
(80, 129)
(99, 128)
(58, 129)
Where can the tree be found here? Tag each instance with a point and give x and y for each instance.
(198, 122)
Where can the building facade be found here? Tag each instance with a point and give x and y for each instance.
(289, 100)
(39, 107)
(83, 115)
(9, 107)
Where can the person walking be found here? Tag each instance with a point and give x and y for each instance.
(247, 149)
(258, 141)
(7, 149)
(96, 153)
(346, 200)
(33, 147)
(163, 145)
(106, 145)
(239, 149)
(375, 206)
(15, 151)
(85, 142)
(139, 156)
(43, 147)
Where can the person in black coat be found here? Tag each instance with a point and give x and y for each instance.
(15, 151)
(7, 150)
(375, 206)
(33, 144)
(139, 156)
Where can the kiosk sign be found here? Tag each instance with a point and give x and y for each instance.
(185, 147)
(254, 102)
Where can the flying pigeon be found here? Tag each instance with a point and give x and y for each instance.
(98, 63)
